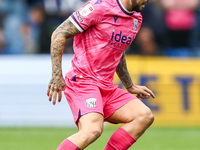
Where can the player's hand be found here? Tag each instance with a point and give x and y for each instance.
(56, 85)
(141, 91)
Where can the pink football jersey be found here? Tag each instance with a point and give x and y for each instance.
(107, 29)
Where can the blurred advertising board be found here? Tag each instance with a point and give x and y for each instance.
(23, 86)
(24, 80)
(176, 84)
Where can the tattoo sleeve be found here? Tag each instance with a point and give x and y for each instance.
(58, 40)
(123, 73)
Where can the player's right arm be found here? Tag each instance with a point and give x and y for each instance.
(57, 83)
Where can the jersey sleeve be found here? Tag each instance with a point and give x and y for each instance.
(90, 14)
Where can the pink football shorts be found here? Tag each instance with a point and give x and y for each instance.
(87, 95)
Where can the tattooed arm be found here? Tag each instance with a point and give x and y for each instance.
(57, 83)
(123, 74)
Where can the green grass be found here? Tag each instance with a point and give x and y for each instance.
(50, 138)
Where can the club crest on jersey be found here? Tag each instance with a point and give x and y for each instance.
(87, 10)
(135, 24)
(91, 102)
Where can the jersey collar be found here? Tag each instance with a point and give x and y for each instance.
(123, 8)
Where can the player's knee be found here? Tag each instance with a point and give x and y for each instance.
(96, 133)
(146, 117)
(93, 133)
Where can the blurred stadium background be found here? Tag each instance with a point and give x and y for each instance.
(165, 57)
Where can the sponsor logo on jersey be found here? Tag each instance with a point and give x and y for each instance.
(79, 17)
(91, 102)
(119, 41)
(87, 10)
(119, 37)
(135, 24)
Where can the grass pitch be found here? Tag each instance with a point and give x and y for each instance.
(50, 138)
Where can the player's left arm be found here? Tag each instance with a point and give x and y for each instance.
(123, 74)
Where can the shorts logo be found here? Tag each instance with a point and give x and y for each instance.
(87, 10)
(91, 102)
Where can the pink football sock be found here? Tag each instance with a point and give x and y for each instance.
(120, 140)
(67, 145)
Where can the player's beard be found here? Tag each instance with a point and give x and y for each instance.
(136, 7)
